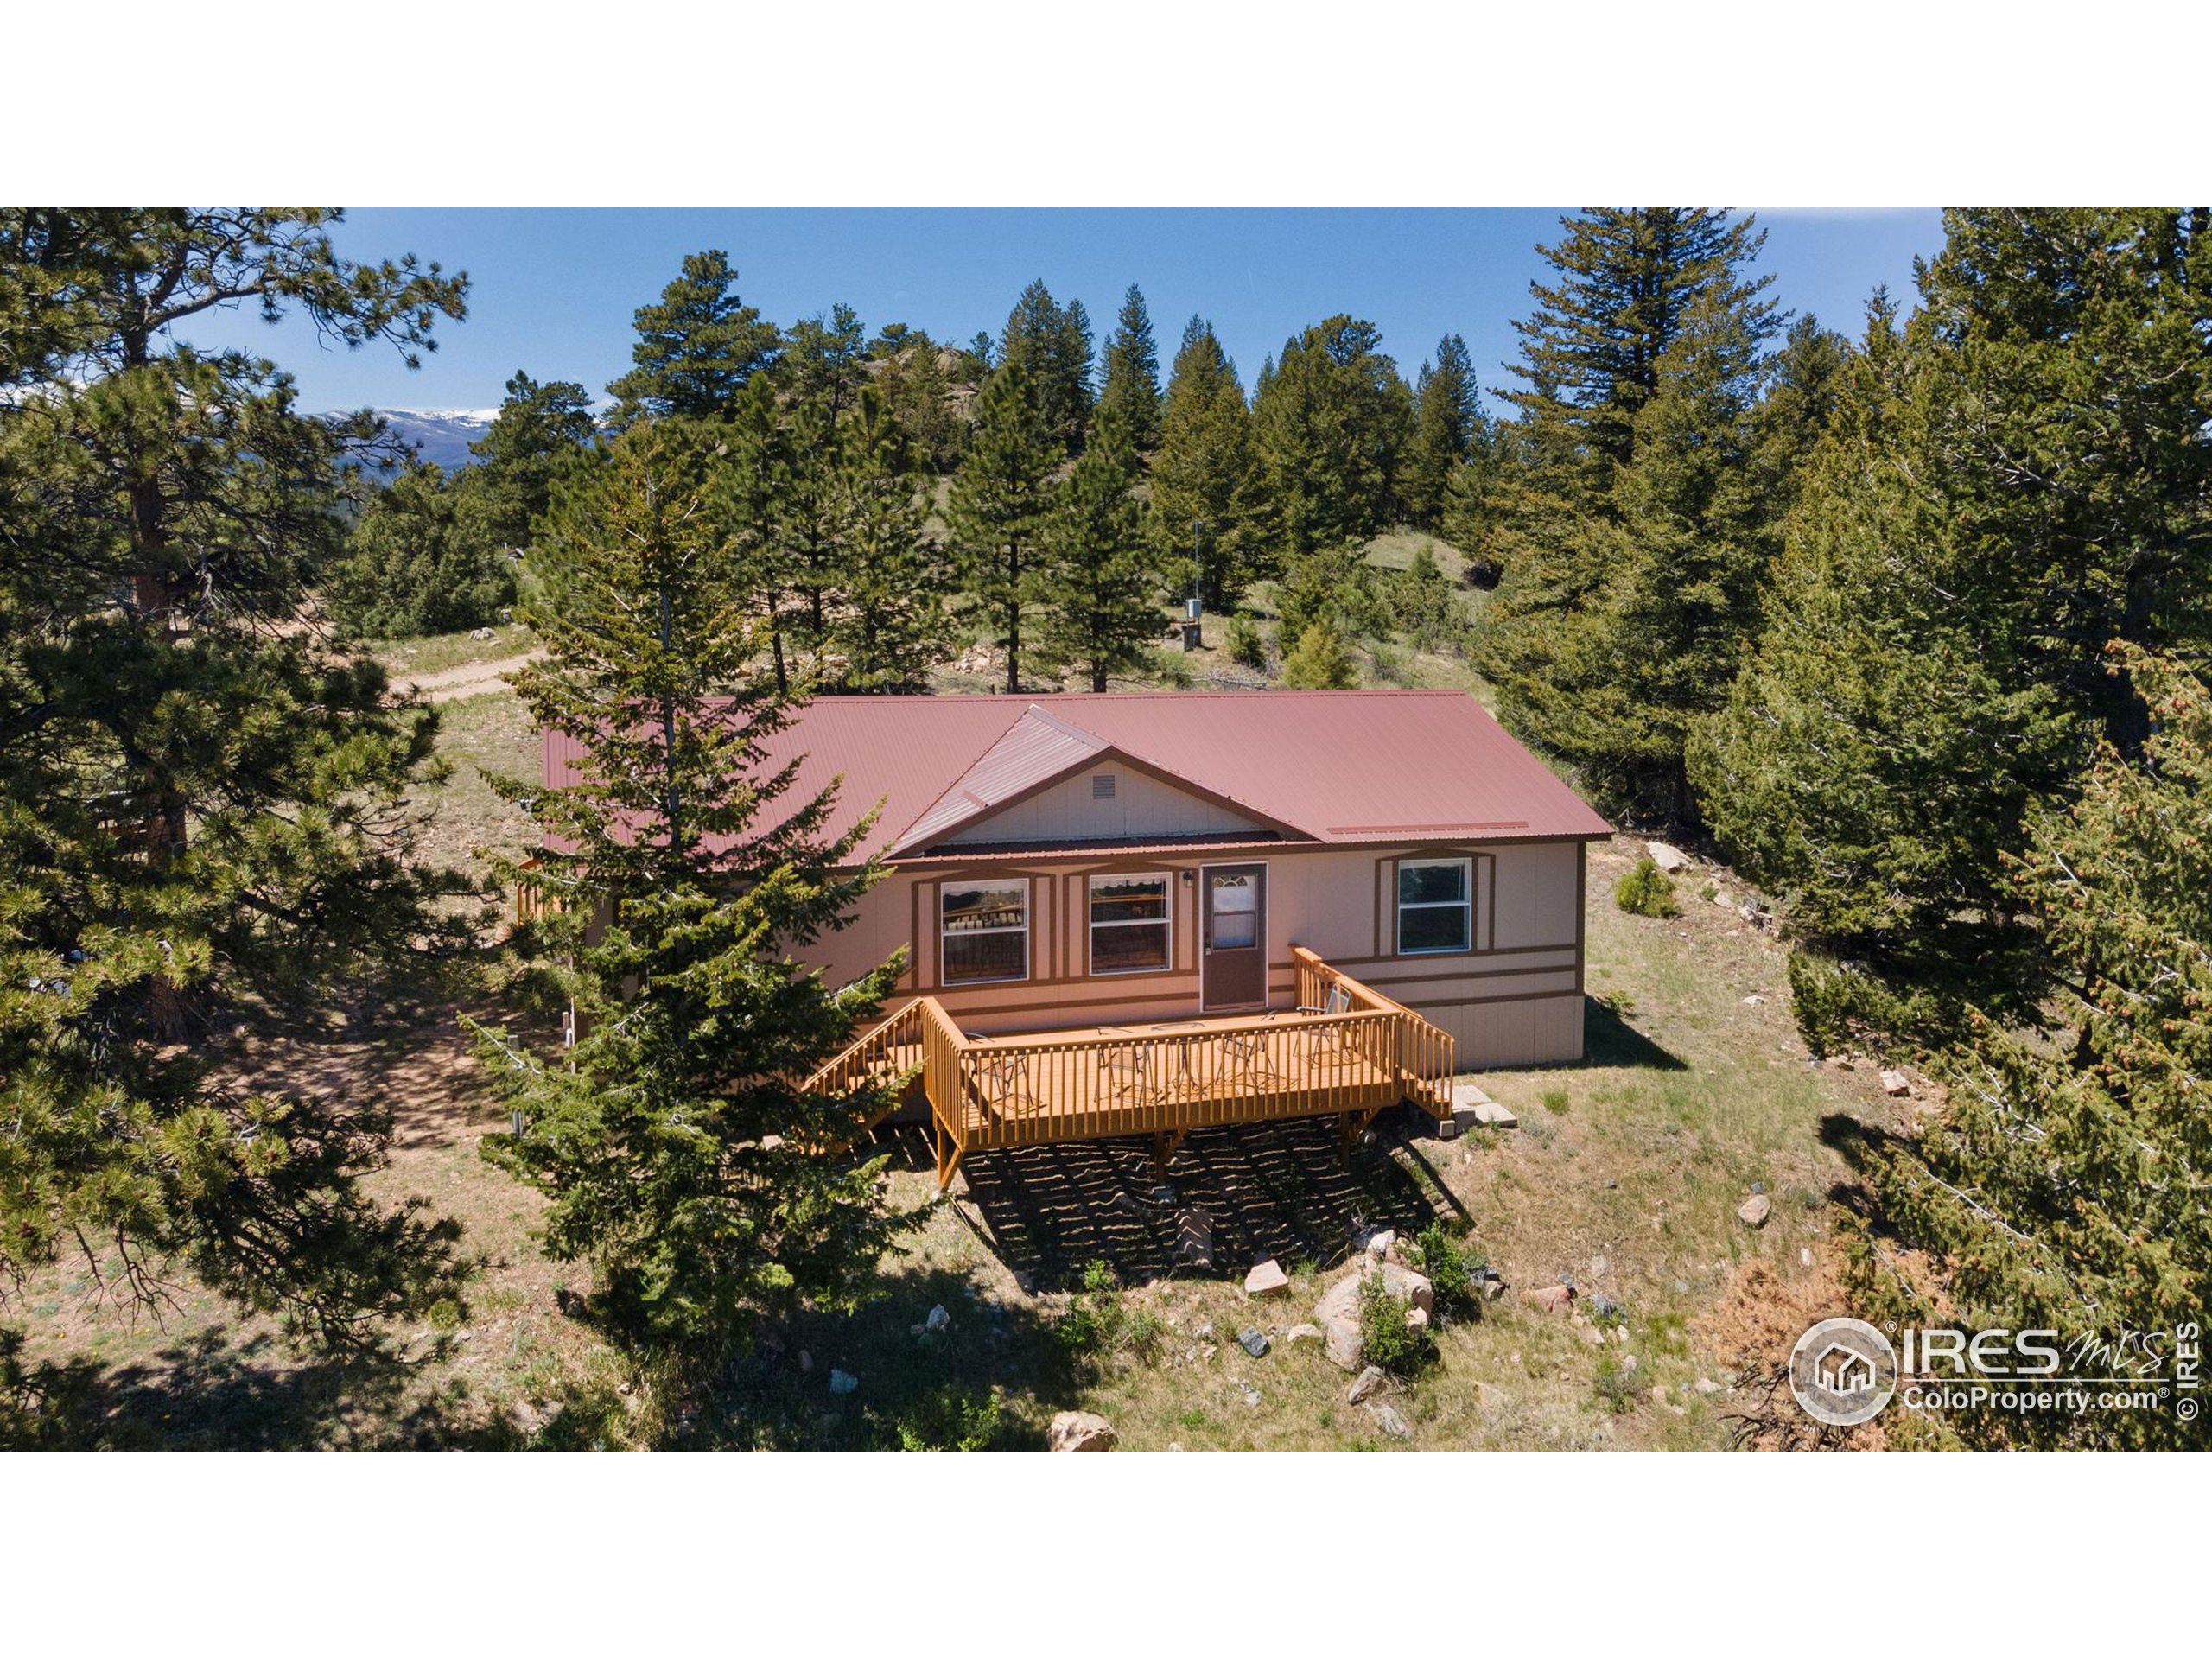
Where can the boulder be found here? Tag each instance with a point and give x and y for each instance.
(1369, 1383)
(1416, 1320)
(1080, 1431)
(1754, 1210)
(1253, 1343)
(1266, 1279)
(1895, 1083)
(1387, 1419)
(1552, 1298)
(1337, 1311)
(1379, 1244)
(1302, 1333)
(1671, 860)
(1194, 1239)
(843, 1382)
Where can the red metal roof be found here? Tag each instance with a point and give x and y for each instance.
(1344, 767)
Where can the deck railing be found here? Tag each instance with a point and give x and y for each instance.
(1350, 1055)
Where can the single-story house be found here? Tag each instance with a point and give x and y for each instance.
(1124, 870)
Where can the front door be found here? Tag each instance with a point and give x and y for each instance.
(1233, 937)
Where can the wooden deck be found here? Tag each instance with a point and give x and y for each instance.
(1347, 1051)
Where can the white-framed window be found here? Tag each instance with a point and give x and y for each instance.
(1129, 925)
(1436, 906)
(983, 931)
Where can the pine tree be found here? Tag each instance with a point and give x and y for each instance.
(819, 379)
(1628, 278)
(696, 347)
(1051, 344)
(1611, 638)
(421, 561)
(1331, 420)
(1000, 498)
(540, 433)
(2062, 1188)
(1103, 615)
(1204, 474)
(916, 377)
(204, 819)
(1131, 394)
(1322, 662)
(898, 580)
(680, 1157)
(2014, 481)
(1447, 429)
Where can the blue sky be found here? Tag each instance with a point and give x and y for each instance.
(552, 290)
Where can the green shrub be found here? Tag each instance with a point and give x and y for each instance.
(1646, 890)
(1248, 646)
(951, 1419)
(1387, 1337)
(1321, 662)
(1449, 1267)
(1098, 1322)
(1615, 1386)
(1172, 667)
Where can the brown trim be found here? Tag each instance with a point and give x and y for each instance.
(1494, 1001)
(1380, 981)
(1449, 955)
(1172, 849)
(1266, 902)
(1581, 911)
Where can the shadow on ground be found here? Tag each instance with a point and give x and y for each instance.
(211, 1392)
(1608, 1040)
(1278, 1190)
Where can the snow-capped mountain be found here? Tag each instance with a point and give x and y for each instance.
(441, 436)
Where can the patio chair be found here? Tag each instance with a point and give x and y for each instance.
(1125, 1076)
(1248, 1059)
(1006, 1084)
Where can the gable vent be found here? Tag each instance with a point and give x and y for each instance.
(1102, 786)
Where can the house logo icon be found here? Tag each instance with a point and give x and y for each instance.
(1843, 1372)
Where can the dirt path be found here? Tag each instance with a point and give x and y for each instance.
(469, 680)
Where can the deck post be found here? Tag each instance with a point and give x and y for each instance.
(1164, 1148)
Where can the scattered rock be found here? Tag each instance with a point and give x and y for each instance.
(1379, 1244)
(1206, 1330)
(1369, 1383)
(1492, 1289)
(1706, 1385)
(805, 1361)
(1552, 1298)
(1895, 1083)
(1252, 1398)
(1416, 1320)
(1804, 1256)
(1387, 1418)
(1659, 1395)
(1302, 1333)
(843, 1382)
(1266, 1279)
(938, 1318)
(1755, 1001)
(1671, 860)
(1754, 1210)
(1252, 1342)
(1194, 1239)
(1593, 1336)
(1080, 1431)
(1597, 1268)
(1720, 897)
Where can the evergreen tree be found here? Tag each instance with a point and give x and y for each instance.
(1051, 344)
(2062, 1188)
(2015, 480)
(1331, 420)
(420, 562)
(204, 820)
(1628, 278)
(1204, 474)
(1612, 636)
(1131, 394)
(819, 376)
(893, 624)
(696, 347)
(541, 431)
(1322, 662)
(681, 1160)
(1447, 428)
(1000, 498)
(1104, 616)
(1804, 380)
(916, 377)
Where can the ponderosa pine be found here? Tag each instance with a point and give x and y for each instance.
(1103, 614)
(1131, 392)
(999, 498)
(696, 347)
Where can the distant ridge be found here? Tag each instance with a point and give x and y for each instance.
(441, 435)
